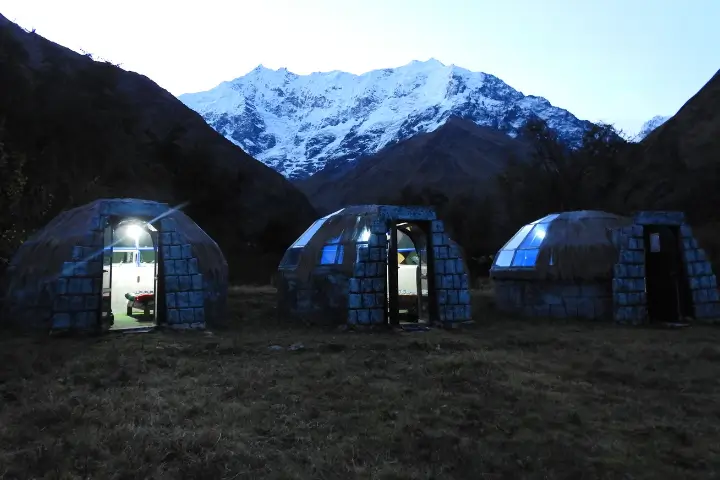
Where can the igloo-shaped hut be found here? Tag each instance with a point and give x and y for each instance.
(598, 265)
(373, 265)
(117, 264)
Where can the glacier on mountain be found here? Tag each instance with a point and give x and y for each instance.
(299, 124)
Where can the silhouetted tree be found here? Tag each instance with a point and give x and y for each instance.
(558, 178)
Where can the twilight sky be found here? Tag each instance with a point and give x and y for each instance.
(615, 61)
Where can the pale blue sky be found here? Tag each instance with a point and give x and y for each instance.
(616, 61)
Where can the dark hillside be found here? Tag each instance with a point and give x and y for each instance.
(678, 164)
(460, 157)
(73, 130)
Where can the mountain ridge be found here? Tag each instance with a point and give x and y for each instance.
(459, 157)
(299, 124)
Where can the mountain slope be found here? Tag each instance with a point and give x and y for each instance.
(298, 124)
(649, 126)
(678, 164)
(80, 129)
(458, 157)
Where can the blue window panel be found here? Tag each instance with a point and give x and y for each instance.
(525, 258)
(329, 252)
(332, 254)
(519, 237)
(504, 258)
(535, 237)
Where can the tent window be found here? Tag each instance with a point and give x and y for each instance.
(332, 254)
(535, 237)
(519, 237)
(504, 258)
(525, 258)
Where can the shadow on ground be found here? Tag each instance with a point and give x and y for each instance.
(504, 398)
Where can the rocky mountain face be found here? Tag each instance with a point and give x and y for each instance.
(458, 157)
(73, 130)
(649, 126)
(300, 124)
(677, 166)
(681, 157)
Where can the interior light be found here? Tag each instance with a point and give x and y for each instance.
(540, 234)
(134, 231)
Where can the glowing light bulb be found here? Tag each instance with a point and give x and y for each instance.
(134, 231)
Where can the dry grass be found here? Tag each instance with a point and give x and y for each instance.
(503, 399)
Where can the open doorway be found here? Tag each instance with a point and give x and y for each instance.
(130, 269)
(407, 274)
(667, 291)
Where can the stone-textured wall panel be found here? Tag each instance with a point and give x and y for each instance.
(659, 218)
(554, 299)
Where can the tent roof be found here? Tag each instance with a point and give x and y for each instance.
(573, 245)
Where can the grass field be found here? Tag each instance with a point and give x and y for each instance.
(502, 399)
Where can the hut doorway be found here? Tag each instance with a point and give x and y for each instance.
(667, 289)
(408, 293)
(130, 273)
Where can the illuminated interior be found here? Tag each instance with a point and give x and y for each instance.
(411, 274)
(130, 267)
(521, 251)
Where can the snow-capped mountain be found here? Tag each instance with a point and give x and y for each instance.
(649, 126)
(299, 123)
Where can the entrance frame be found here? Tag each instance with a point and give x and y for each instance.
(111, 223)
(392, 312)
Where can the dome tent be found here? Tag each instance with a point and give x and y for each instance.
(341, 270)
(598, 265)
(67, 275)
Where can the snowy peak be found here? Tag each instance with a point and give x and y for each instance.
(298, 124)
(649, 126)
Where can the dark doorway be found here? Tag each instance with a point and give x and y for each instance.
(667, 289)
(409, 279)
